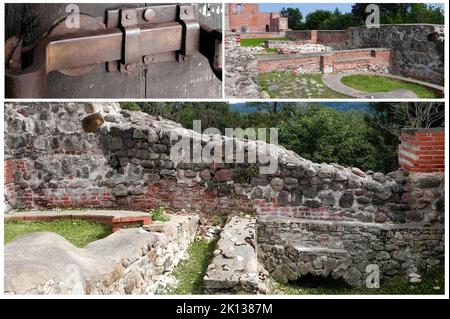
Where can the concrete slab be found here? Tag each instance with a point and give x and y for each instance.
(234, 269)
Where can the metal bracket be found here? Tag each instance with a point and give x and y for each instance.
(130, 39)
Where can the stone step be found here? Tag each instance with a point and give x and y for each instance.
(234, 269)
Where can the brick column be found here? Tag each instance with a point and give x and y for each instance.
(326, 63)
(422, 150)
(313, 36)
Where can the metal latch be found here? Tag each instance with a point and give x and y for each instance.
(131, 38)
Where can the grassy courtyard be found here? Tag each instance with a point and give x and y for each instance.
(432, 283)
(257, 42)
(280, 84)
(373, 84)
(78, 232)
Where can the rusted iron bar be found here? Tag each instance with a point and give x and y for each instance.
(84, 49)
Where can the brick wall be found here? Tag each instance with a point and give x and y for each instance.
(422, 150)
(247, 18)
(301, 35)
(333, 38)
(261, 35)
(308, 64)
(326, 62)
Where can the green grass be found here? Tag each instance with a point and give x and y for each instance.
(159, 214)
(373, 83)
(190, 272)
(432, 283)
(78, 232)
(257, 42)
(285, 84)
(271, 50)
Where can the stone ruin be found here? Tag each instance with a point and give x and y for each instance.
(412, 51)
(319, 219)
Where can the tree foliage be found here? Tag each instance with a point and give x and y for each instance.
(390, 13)
(294, 16)
(368, 140)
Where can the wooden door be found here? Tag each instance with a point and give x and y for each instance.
(190, 79)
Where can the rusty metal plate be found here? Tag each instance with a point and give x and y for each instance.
(87, 23)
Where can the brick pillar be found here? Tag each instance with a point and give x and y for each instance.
(313, 37)
(326, 63)
(9, 171)
(422, 150)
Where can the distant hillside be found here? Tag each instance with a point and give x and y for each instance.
(339, 106)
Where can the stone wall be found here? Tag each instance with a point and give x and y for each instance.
(291, 248)
(97, 155)
(130, 261)
(241, 70)
(418, 48)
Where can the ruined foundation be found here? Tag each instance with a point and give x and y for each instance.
(321, 219)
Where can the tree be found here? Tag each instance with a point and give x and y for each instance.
(394, 117)
(401, 13)
(326, 135)
(294, 17)
(317, 19)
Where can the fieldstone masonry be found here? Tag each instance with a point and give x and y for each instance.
(130, 261)
(241, 71)
(312, 211)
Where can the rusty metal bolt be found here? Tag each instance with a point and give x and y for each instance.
(149, 14)
(129, 67)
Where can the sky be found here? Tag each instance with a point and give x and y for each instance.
(306, 8)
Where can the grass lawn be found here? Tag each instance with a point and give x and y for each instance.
(256, 42)
(190, 272)
(78, 232)
(373, 83)
(284, 84)
(432, 283)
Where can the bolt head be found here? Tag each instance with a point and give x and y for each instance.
(149, 14)
(187, 11)
(128, 16)
(129, 67)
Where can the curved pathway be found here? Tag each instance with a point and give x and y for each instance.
(333, 81)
